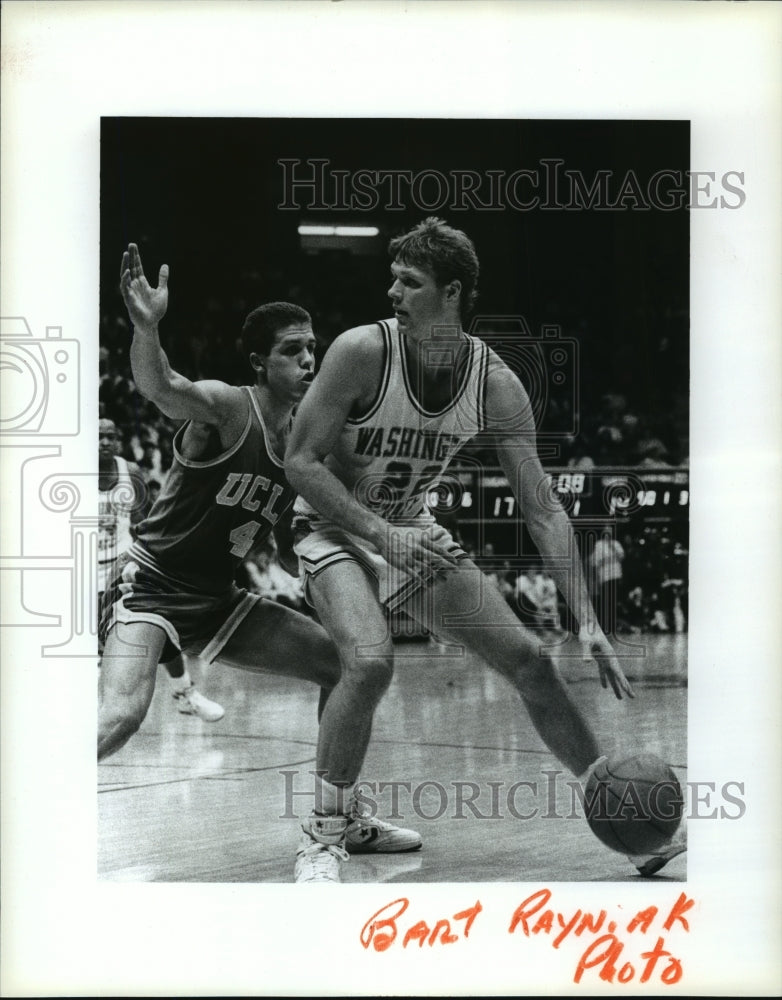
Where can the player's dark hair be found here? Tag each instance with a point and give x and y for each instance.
(261, 326)
(447, 253)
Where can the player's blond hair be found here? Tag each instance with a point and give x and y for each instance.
(447, 253)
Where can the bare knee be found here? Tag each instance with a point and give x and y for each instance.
(369, 677)
(328, 665)
(118, 720)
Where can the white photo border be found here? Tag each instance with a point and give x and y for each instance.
(65, 65)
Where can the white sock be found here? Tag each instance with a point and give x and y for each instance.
(180, 684)
(332, 800)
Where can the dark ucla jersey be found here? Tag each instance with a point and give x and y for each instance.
(209, 514)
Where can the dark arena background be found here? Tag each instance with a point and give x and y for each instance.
(582, 231)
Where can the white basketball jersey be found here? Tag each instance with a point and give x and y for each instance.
(114, 513)
(392, 456)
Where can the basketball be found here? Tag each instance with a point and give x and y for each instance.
(633, 803)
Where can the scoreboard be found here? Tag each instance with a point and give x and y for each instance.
(650, 495)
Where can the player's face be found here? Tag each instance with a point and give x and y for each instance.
(290, 365)
(419, 302)
(108, 439)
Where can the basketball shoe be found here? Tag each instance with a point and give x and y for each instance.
(190, 701)
(650, 864)
(366, 834)
(321, 849)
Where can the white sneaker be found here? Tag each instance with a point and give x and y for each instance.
(321, 850)
(192, 702)
(369, 835)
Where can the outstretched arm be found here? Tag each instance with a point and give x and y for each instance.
(511, 420)
(176, 396)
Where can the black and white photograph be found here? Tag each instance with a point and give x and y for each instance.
(525, 615)
(389, 431)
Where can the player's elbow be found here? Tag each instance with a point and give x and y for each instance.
(546, 524)
(155, 388)
(164, 396)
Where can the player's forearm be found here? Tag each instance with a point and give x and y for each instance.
(332, 500)
(148, 361)
(152, 373)
(554, 539)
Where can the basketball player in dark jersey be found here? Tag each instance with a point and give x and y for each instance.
(226, 491)
(392, 403)
(122, 504)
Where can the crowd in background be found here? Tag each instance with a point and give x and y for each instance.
(615, 430)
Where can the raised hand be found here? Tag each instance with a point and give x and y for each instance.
(146, 305)
(596, 646)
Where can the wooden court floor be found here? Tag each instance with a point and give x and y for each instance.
(189, 801)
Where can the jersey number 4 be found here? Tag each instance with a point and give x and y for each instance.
(243, 538)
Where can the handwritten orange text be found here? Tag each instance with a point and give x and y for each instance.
(605, 954)
(382, 928)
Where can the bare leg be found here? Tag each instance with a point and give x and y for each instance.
(126, 683)
(467, 610)
(277, 640)
(345, 600)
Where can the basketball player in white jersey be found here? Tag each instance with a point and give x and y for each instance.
(391, 405)
(121, 504)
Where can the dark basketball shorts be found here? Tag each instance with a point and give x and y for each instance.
(141, 591)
